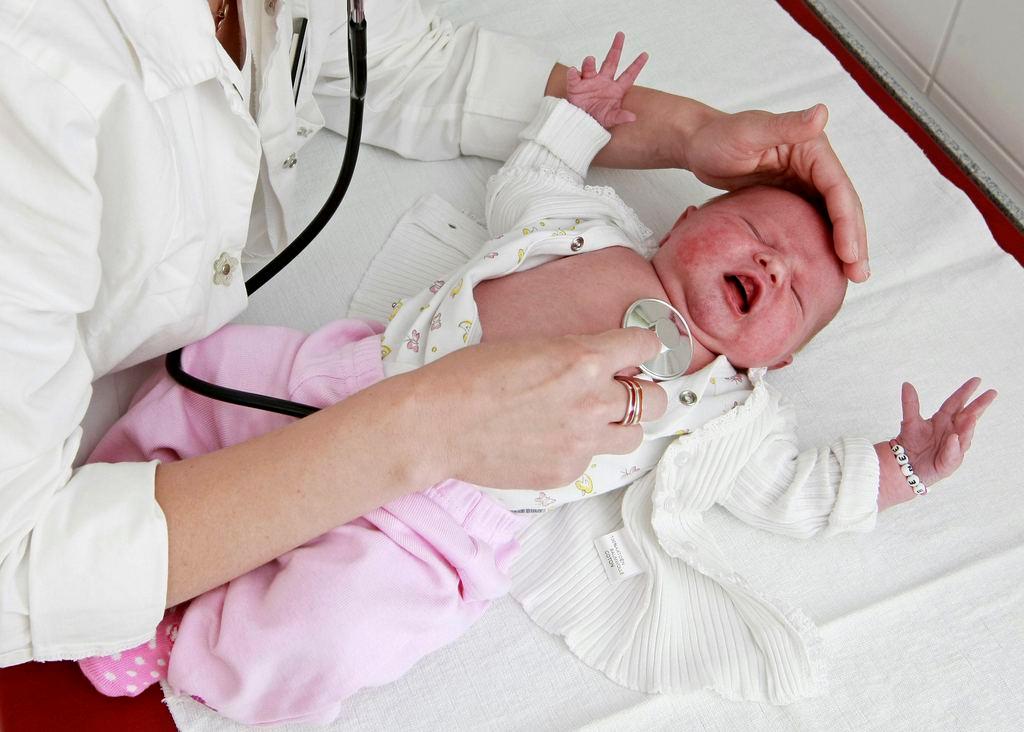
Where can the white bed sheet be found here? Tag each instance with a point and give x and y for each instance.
(923, 619)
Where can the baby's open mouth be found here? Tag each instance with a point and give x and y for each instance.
(741, 292)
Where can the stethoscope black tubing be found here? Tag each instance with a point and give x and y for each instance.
(357, 73)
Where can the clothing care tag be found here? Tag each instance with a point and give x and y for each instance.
(619, 555)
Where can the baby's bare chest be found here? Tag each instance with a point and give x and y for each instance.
(578, 295)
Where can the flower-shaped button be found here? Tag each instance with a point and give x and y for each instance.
(224, 269)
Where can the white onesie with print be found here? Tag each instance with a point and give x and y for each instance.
(555, 221)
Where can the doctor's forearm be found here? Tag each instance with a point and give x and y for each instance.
(658, 138)
(235, 509)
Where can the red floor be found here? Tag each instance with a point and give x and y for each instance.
(39, 697)
(55, 696)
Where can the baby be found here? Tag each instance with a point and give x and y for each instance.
(753, 274)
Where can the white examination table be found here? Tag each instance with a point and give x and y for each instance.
(923, 619)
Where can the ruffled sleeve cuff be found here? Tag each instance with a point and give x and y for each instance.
(97, 579)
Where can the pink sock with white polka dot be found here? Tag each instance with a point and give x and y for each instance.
(131, 672)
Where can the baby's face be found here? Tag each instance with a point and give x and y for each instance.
(754, 274)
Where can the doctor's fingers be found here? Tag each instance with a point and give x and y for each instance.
(610, 352)
(651, 400)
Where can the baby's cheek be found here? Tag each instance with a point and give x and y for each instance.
(769, 341)
(785, 334)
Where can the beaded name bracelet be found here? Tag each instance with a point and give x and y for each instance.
(906, 468)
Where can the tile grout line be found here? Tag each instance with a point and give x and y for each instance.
(942, 47)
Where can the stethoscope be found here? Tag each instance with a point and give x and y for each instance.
(655, 315)
(357, 73)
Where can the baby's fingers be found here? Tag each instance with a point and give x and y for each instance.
(630, 74)
(611, 61)
(588, 69)
(958, 398)
(965, 422)
(911, 403)
(951, 454)
(620, 117)
(977, 408)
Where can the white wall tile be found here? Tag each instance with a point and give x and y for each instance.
(987, 146)
(886, 43)
(918, 25)
(982, 68)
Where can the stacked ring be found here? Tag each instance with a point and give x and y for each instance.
(634, 403)
(903, 460)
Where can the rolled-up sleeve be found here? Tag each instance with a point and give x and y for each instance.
(436, 90)
(83, 553)
(550, 164)
(799, 493)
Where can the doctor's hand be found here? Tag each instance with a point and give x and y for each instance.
(790, 150)
(530, 413)
(735, 150)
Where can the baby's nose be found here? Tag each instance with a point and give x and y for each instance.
(774, 267)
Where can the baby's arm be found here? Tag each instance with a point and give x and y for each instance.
(800, 492)
(544, 175)
(841, 487)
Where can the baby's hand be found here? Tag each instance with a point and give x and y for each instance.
(936, 446)
(599, 93)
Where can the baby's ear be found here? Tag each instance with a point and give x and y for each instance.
(689, 210)
(782, 364)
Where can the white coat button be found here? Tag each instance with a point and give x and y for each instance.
(672, 505)
(290, 161)
(303, 131)
(271, 6)
(682, 459)
(688, 547)
(577, 244)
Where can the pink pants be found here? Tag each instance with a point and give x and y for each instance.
(356, 607)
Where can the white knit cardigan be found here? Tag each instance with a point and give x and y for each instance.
(689, 621)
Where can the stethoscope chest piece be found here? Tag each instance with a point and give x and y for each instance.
(673, 332)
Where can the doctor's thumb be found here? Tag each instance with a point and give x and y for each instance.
(767, 129)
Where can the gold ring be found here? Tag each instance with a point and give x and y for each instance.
(634, 402)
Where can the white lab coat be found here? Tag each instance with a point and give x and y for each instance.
(132, 165)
